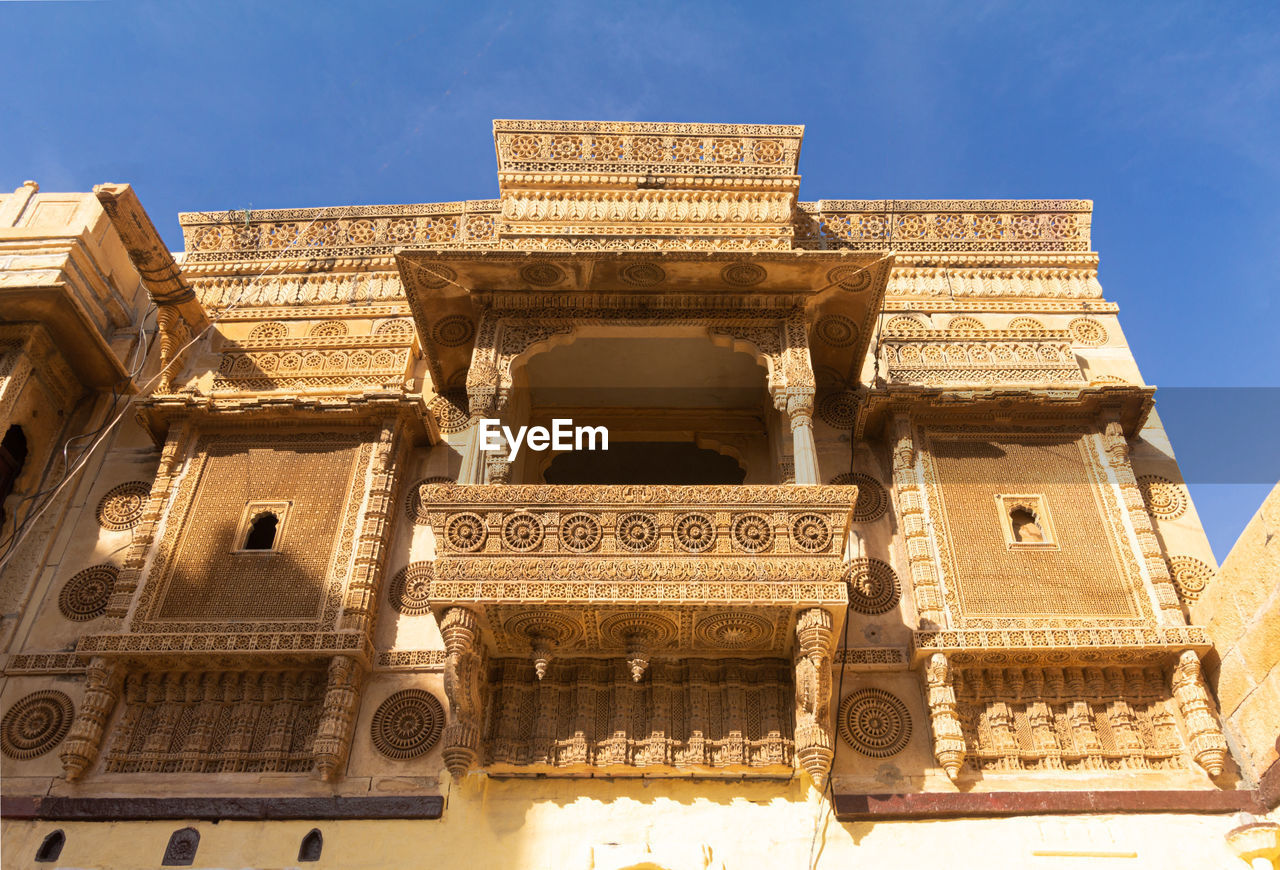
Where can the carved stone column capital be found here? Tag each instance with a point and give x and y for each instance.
(102, 690)
(464, 686)
(1208, 745)
(948, 736)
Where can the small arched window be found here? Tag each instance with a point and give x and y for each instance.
(1026, 530)
(262, 532)
(51, 848)
(311, 846)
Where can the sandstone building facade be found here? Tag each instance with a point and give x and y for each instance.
(888, 533)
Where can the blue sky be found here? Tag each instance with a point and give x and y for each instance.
(1167, 115)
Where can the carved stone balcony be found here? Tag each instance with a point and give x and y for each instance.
(540, 588)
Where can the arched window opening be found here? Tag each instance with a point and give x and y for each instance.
(262, 532)
(51, 848)
(1026, 528)
(13, 454)
(312, 844)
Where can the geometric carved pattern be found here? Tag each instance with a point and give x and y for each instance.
(1164, 498)
(836, 330)
(121, 508)
(580, 532)
(873, 586)
(410, 587)
(466, 532)
(522, 531)
(407, 724)
(811, 532)
(85, 595)
(687, 715)
(923, 358)
(268, 332)
(328, 328)
(875, 723)
(218, 721)
(637, 532)
(1087, 331)
(695, 532)
(1190, 576)
(733, 630)
(1053, 718)
(35, 724)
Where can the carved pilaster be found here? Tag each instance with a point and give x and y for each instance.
(911, 508)
(948, 736)
(1166, 594)
(814, 636)
(1124, 724)
(102, 691)
(333, 737)
(1208, 745)
(1080, 715)
(1040, 717)
(144, 533)
(375, 531)
(464, 686)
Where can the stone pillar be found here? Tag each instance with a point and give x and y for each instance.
(948, 736)
(804, 451)
(464, 685)
(1208, 745)
(911, 508)
(341, 697)
(814, 638)
(102, 691)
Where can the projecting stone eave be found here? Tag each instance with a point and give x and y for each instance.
(444, 283)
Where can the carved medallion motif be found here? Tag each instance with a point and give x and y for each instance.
(542, 274)
(642, 274)
(873, 498)
(836, 330)
(35, 724)
(410, 589)
(873, 586)
(86, 595)
(1086, 330)
(453, 331)
(1189, 576)
(637, 533)
(268, 332)
(450, 410)
(695, 532)
(465, 532)
(121, 508)
(407, 724)
(752, 532)
(522, 531)
(742, 274)
(580, 533)
(875, 723)
(733, 630)
(652, 629)
(1164, 498)
(811, 532)
(413, 501)
(432, 275)
(838, 408)
(398, 327)
(855, 279)
(328, 328)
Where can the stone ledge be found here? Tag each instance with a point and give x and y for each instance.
(863, 807)
(228, 808)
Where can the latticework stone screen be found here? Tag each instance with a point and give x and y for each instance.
(213, 578)
(1075, 571)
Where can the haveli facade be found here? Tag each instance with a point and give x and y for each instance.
(888, 532)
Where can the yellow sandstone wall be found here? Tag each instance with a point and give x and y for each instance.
(567, 825)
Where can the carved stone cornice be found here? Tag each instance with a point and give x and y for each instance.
(1056, 645)
(1032, 408)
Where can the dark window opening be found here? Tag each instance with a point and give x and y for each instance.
(312, 843)
(13, 454)
(645, 462)
(262, 532)
(51, 848)
(181, 851)
(1025, 528)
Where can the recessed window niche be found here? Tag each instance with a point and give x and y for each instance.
(262, 526)
(1025, 521)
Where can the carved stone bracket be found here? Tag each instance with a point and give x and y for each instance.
(1208, 745)
(464, 685)
(337, 718)
(814, 738)
(102, 691)
(948, 736)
